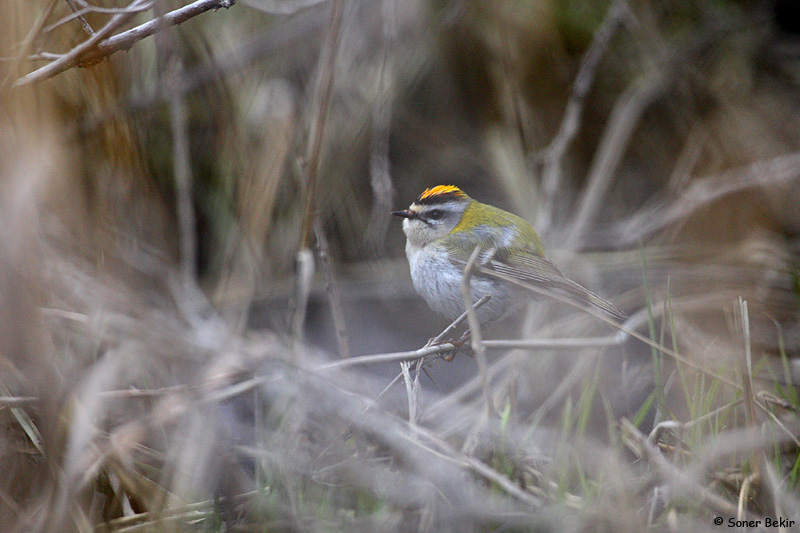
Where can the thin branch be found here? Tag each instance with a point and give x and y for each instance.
(554, 153)
(650, 219)
(86, 27)
(438, 349)
(94, 9)
(43, 56)
(24, 420)
(412, 391)
(625, 332)
(747, 380)
(475, 330)
(446, 452)
(457, 322)
(320, 102)
(624, 119)
(17, 401)
(394, 357)
(283, 7)
(787, 431)
(558, 344)
(436, 341)
(331, 288)
(433, 347)
(601, 316)
(682, 483)
(712, 414)
(74, 56)
(99, 46)
(28, 43)
(267, 42)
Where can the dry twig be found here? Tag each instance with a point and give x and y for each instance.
(620, 127)
(84, 23)
(679, 480)
(553, 154)
(475, 331)
(100, 45)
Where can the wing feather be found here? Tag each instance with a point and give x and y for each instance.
(537, 270)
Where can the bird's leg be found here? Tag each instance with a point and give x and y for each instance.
(458, 343)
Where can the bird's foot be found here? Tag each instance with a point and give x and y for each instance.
(457, 343)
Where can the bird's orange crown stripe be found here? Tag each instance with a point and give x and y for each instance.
(441, 190)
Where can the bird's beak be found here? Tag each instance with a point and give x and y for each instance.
(405, 214)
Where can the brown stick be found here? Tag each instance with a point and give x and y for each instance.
(100, 46)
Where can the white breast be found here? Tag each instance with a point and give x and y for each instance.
(438, 281)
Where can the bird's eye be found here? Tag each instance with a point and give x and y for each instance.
(435, 214)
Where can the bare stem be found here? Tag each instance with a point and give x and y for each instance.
(475, 330)
(320, 106)
(331, 288)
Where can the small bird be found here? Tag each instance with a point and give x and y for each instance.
(444, 226)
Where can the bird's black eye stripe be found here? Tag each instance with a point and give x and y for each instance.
(434, 214)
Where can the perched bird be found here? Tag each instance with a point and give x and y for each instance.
(444, 226)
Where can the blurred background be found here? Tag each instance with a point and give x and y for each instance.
(194, 221)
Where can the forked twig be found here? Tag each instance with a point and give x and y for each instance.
(553, 154)
(458, 321)
(84, 23)
(100, 45)
(74, 56)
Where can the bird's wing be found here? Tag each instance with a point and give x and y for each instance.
(537, 270)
